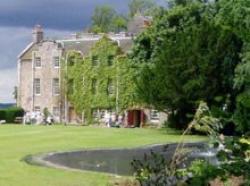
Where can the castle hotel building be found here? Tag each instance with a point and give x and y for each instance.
(40, 69)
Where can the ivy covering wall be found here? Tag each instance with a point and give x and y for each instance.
(102, 80)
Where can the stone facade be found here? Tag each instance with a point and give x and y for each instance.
(37, 70)
(40, 69)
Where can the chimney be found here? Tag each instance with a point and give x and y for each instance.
(37, 34)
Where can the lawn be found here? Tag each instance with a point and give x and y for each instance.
(18, 141)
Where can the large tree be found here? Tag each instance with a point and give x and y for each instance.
(186, 57)
(140, 6)
(235, 15)
(106, 19)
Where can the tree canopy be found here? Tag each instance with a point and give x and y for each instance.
(140, 6)
(188, 56)
(106, 19)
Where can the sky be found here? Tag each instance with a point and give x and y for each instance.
(57, 17)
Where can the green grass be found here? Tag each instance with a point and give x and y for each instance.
(18, 141)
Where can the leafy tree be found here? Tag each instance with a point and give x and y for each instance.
(105, 19)
(235, 15)
(119, 23)
(186, 57)
(140, 6)
(15, 93)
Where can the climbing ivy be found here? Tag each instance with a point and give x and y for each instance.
(101, 80)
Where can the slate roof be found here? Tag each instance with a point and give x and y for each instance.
(86, 44)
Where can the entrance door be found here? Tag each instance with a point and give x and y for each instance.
(135, 118)
(72, 115)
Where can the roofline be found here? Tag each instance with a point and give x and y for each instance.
(25, 50)
(95, 39)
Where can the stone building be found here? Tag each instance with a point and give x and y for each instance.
(39, 70)
(39, 75)
(40, 67)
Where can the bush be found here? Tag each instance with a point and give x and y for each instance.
(10, 114)
(2, 115)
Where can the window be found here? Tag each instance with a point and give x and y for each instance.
(56, 61)
(110, 60)
(111, 88)
(38, 62)
(56, 111)
(37, 86)
(56, 86)
(95, 61)
(154, 115)
(94, 86)
(37, 109)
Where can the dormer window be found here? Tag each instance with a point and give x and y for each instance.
(38, 62)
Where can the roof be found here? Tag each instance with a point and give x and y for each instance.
(26, 50)
(84, 45)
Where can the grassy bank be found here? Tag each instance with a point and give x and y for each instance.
(18, 141)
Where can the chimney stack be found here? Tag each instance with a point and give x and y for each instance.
(37, 34)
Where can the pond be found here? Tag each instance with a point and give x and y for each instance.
(116, 161)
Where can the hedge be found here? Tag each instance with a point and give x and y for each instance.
(10, 114)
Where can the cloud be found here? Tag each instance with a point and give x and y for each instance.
(7, 82)
(56, 14)
(12, 41)
(59, 18)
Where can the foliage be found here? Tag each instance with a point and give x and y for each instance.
(105, 19)
(108, 68)
(2, 115)
(202, 173)
(203, 121)
(234, 162)
(10, 114)
(140, 7)
(233, 154)
(186, 57)
(46, 113)
(152, 170)
(15, 93)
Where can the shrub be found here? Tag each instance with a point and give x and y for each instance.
(2, 115)
(10, 114)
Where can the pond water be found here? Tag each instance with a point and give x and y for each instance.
(118, 161)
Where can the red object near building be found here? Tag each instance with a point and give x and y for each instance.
(136, 118)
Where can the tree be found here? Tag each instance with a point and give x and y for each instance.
(235, 15)
(119, 23)
(186, 57)
(102, 18)
(15, 93)
(140, 6)
(105, 19)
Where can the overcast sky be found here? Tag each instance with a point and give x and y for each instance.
(58, 18)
